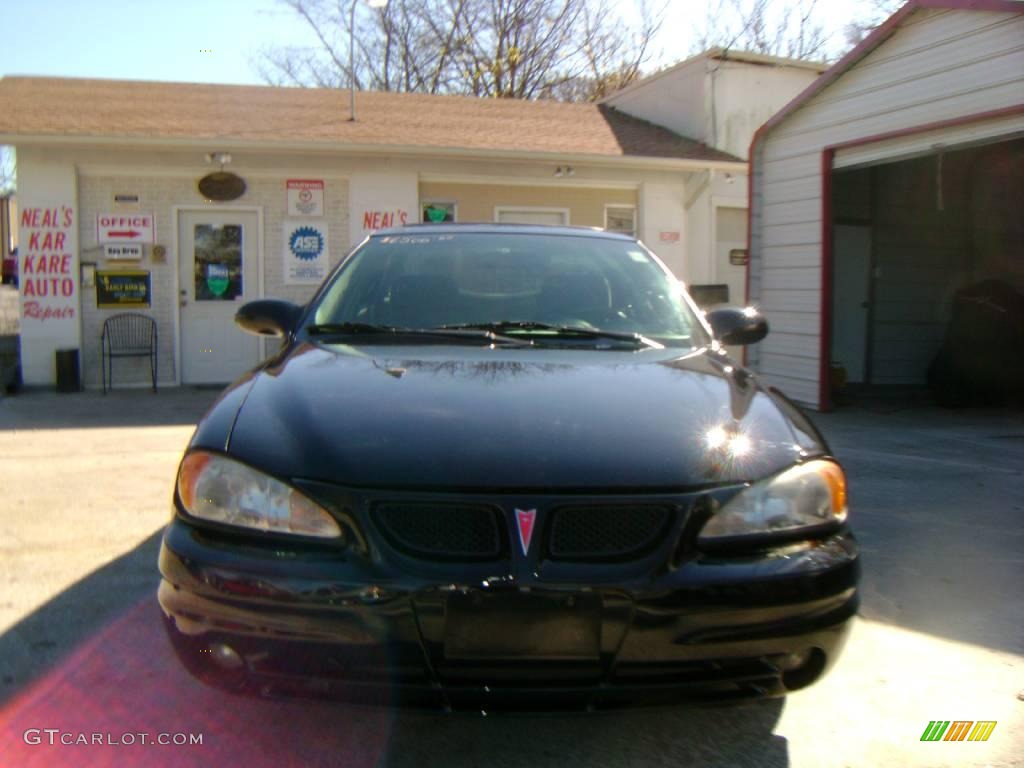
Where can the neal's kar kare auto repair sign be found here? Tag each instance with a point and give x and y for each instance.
(49, 290)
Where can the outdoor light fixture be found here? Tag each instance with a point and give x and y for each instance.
(352, 53)
(221, 185)
(220, 158)
(566, 171)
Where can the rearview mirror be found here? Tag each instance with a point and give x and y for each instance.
(737, 326)
(268, 317)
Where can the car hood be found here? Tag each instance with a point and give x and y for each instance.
(466, 418)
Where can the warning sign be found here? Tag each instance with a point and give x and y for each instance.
(305, 197)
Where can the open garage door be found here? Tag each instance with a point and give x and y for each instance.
(927, 293)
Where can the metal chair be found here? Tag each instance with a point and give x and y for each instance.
(127, 335)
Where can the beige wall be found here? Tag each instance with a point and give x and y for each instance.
(476, 202)
(159, 194)
(166, 178)
(719, 103)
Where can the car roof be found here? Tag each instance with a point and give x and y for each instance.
(501, 229)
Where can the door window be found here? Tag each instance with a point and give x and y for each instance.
(218, 262)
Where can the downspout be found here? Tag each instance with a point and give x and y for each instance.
(712, 266)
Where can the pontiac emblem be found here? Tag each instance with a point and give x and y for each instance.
(524, 522)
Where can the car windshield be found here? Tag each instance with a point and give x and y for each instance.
(526, 284)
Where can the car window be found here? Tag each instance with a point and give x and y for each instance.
(430, 280)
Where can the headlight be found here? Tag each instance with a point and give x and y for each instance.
(215, 488)
(805, 496)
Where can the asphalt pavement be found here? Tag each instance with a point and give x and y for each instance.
(937, 500)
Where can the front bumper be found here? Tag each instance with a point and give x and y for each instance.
(253, 619)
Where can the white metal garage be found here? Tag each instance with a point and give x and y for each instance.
(889, 183)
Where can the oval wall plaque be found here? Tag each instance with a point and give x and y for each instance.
(221, 185)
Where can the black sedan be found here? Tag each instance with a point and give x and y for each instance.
(497, 466)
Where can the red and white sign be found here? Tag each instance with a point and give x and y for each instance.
(305, 197)
(125, 228)
(48, 268)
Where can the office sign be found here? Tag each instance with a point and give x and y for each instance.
(125, 228)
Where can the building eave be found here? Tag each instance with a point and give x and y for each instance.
(376, 150)
(721, 54)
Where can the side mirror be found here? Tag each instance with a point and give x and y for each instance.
(732, 325)
(268, 317)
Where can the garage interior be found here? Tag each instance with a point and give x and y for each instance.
(918, 243)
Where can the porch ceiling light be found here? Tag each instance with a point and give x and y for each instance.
(220, 158)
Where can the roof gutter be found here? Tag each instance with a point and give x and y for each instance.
(381, 150)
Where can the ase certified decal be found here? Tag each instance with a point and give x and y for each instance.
(306, 243)
(305, 252)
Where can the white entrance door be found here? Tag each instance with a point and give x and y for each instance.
(730, 237)
(218, 261)
(557, 216)
(851, 258)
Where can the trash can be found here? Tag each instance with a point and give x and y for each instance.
(68, 379)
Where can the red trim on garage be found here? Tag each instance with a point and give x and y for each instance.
(750, 222)
(825, 334)
(977, 117)
(872, 41)
(827, 158)
(866, 46)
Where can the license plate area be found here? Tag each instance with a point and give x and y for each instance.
(522, 626)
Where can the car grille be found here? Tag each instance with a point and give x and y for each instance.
(441, 531)
(607, 532)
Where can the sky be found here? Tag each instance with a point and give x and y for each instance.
(216, 41)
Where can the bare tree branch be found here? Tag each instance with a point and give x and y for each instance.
(8, 170)
(564, 49)
(859, 28)
(764, 26)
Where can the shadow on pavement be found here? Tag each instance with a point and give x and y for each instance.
(30, 647)
(118, 678)
(44, 409)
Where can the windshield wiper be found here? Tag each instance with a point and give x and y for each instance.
(327, 329)
(467, 333)
(558, 331)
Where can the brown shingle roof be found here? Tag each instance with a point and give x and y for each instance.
(43, 106)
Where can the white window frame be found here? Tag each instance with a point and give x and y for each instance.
(500, 209)
(431, 200)
(636, 219)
